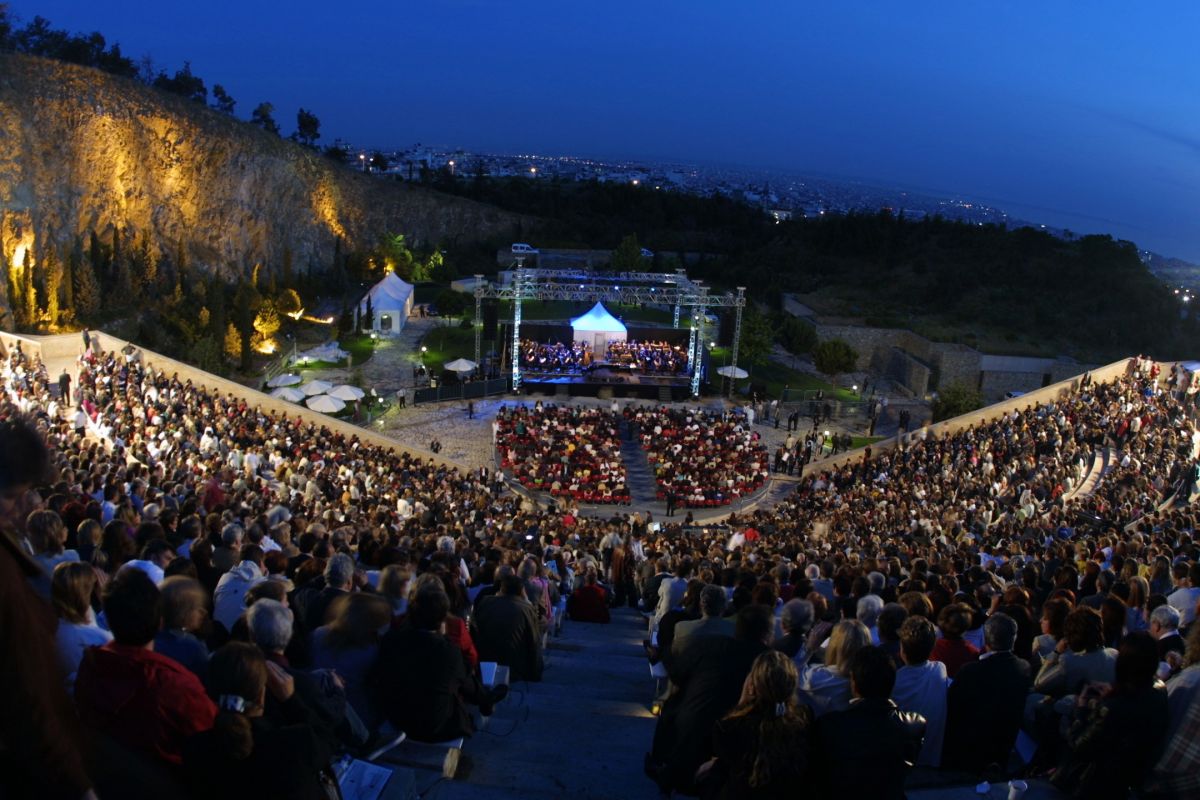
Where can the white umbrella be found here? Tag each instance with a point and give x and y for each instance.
(737, 373)
(347, 393)
(326, 404)
(461, 365)
(286, 379)
(316, 387)
(288, 393)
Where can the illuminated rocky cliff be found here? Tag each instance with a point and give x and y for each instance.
(82, 151)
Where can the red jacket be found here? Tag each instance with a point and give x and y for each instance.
(589, 604)
(954, 653)
(145, 701)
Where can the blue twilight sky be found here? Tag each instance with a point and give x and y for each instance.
(1084, 115)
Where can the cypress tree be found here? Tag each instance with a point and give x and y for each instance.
(87, 288)
(28, 291)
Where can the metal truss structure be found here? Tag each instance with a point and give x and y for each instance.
(675, 290)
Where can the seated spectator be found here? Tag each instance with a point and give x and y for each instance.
(1187, 596)
(1079, 658)
(395, 583)
(921, 685)
(145, 702)
(1115, 731)
(867, 749)
(826, 687)
(339, 581)
(185, 608)
(760, 748)
(868, 610)
(1054, 618)
(712, 621)
(1164, 627)
(349, 645)
(271, 626)
(229, 599)
(708, 673)
(507, 631)
(891, 619)
(796, 619)
(985, 703)
(420, 681)
(456, 630)
(1177, 772)
(71, 589)
(246, 755)
(47, 536)
(589, 603)
(952, 650)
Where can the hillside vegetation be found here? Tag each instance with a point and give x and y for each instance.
(1019, 291)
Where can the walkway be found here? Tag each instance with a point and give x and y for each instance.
(581, 732)
(639, 478)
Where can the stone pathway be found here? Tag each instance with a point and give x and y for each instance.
(581, 732)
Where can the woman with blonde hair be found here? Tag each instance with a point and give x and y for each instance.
(760, 747)
(47, 536)
(71, 590)
(826, 687)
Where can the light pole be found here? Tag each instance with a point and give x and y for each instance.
(362, 160)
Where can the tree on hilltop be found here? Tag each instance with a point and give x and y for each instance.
(308, 128)
(628, 255)
(222, 101)
(184, 84)
(263, 117)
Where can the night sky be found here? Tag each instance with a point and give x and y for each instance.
(1085, 116)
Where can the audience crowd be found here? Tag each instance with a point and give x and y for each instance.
(702, 458)
(198, 593)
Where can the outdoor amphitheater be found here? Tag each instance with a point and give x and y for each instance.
(604, 573)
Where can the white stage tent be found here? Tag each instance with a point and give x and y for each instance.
(391, 303)
(597, 328)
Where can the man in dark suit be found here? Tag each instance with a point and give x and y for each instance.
(711, 623)
(420, 679)
(985, 704)
(1164, 626)
(708, 674)
(868, 749)
(507, 632)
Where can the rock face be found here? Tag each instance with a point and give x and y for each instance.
(84, 151)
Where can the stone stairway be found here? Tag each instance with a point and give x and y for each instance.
(639, 477)
(581, 732)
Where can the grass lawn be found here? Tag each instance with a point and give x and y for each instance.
(446, 344)
(775, 376)
(360, 347)
(863, 441)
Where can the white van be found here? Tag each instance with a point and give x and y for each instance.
(520, 249)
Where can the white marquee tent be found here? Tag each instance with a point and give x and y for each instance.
(598, 327)
(391, 303)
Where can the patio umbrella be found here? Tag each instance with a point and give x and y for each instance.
(461, 365)
(737, 373)
(347, 393)
(288, 393)
(326, 404)
(286, 379)
(316, 387)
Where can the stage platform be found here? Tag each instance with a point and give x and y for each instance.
(609, 381)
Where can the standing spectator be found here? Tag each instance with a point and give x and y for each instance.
(589, 603)
(1177, 774)
(1164, 627)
